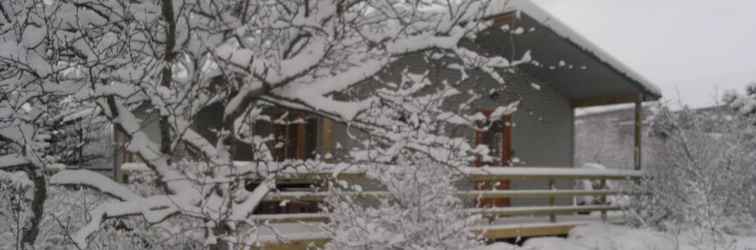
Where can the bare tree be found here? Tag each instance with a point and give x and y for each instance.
(177, 57)
(707, 184)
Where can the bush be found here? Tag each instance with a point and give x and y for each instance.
(705, 183)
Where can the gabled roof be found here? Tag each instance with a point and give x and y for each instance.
(594, 76)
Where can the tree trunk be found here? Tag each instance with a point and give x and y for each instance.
(31, 229)
(220, 244)
(167, 74)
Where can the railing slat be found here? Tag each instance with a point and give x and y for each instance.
(604, 200)
(496, 173)
(294, 217)
(542, 209)
(318, 196)
(552, 199)
(549, 173)
(319, 169)
(506, 211)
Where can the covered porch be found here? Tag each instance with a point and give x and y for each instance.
(582, 72)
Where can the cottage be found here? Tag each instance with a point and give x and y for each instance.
(566, 72)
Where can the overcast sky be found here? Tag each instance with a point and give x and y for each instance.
(689, 48)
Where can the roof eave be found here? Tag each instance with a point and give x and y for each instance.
(503, 15)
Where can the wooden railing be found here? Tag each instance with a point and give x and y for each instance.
(550, 191)
(552, 175)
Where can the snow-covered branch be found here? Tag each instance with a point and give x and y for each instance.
(96, 181)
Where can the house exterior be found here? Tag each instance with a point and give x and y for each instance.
(567, 72)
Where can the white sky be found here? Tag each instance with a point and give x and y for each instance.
(689, 48)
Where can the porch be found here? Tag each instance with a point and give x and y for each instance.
(298, 230)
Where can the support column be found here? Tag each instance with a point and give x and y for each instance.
(119, 158)
(637, 160)
(327, 137)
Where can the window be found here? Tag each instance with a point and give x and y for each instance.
(498, 138)
(295, 135)
(296, 138)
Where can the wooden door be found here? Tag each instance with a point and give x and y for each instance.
(498, 137)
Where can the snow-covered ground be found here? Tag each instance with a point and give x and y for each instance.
(611, 237)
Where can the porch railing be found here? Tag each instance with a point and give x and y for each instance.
(550, 192)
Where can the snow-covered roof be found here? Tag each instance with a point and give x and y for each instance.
(581, 112)
(519, 7)
(599, 110)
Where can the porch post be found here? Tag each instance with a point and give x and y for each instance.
(117, 154)
(638, 123)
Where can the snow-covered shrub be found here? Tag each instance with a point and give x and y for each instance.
(421, 212)
(66, 210)
(14, 202)
(418, 168)
(743, 104)
(707, 180)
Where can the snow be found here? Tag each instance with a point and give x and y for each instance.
(518, 31)
(12, 160)
(504, 110)
(239, 56)
(16, 180)
(535, 86)
(591, 184)
(315, 231)
(587, 235)
(602, 109)
(743, 104)
(614, 237)
(499, 7)
(243, 210)
(77, 114)
(135, 167)
(581, 112)
(94, 180)
(281, 232)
